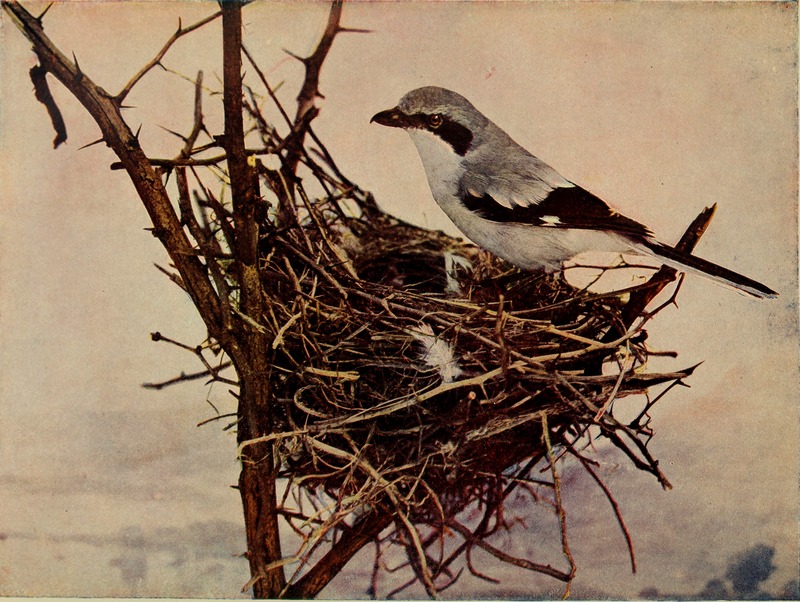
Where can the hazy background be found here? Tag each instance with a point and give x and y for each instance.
(107, 489)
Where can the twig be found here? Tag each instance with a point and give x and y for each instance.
(562, 517)
(639, 301)
(156, 60)
(197, 125)
(309, 91)
(545, 569)
(269, 89)
(106, 112)
(183, 377)
(611, 500)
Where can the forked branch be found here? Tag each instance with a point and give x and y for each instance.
(156, 60)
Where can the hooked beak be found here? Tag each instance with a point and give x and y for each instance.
(393, 118)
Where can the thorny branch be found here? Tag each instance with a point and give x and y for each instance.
(156, 60)
(309, 91)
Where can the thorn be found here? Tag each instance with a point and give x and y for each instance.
(353, 30)
(127, 106)
(180, 25)
(44, 12)
(176, 134)
(78, 72)
(98, 141)
(295, 56)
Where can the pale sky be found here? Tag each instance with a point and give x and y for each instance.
(107, 489)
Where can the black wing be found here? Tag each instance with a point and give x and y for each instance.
(563, 207)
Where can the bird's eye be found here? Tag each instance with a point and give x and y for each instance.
(435, 120)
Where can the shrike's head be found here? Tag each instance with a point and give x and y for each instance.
(436, 112)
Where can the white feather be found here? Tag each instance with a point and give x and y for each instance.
(452, 263)
(437, 353)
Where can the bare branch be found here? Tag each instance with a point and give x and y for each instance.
(269, 89)
(257, 480)
(309, 91)
(665, 275)
(545, 569)
(612, 501)
(318, 576)
(198, 126)
(183, 377)
(562, 516)
(156, 60)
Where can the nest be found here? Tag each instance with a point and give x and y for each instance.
(418, 374)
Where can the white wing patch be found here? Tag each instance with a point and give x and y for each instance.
(550, 220)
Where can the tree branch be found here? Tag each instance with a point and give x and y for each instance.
(156, 60)
(309, 91)
(183, 377)
(318, 576)
(665, 275)
(641, 298)
(105, 111)
(252, 354)
(524, 563)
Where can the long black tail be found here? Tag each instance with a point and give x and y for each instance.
(690, 263)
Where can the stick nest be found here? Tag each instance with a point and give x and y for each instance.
(416, 373)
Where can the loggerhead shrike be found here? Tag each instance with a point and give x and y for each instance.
(515, 205)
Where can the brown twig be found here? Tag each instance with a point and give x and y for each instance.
(545, 569)
(639, 301)
(611, 500)
(562, 516)
(183, 377)
(156, 60)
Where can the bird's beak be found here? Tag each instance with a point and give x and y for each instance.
(394, 118)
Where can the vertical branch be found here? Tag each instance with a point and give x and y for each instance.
(309, 91)
(562, 517)
(242, 175)
(257, 481)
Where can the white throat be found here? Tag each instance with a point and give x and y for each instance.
(442, 165)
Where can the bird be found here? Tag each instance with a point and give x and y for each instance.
(514, 205)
